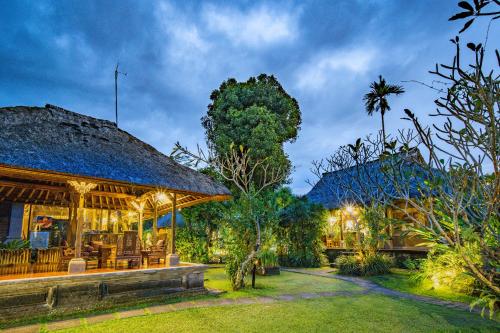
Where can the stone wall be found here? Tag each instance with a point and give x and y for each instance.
(25, 298)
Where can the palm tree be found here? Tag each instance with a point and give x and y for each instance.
(376, 99)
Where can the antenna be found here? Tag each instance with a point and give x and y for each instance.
(116, 91)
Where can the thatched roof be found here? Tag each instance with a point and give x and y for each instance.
(356, 185)
(54, 139)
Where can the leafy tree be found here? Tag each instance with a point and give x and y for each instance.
(247, 217)
(376, 99)
(257, 114)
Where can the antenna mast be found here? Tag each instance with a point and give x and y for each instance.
(116, 92)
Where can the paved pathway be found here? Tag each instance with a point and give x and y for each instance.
(369, 286)
(366, 287)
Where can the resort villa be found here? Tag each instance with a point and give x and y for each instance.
(79, 189)
(341, 193)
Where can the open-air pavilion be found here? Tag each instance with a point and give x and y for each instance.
(78, 190)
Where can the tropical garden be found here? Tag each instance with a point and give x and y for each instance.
(265, 226)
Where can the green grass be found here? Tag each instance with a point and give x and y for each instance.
(400, 280)
(285, 283)
(368, 313)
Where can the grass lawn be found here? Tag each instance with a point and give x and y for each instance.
(285, 283)
(367, 313)
(355, 313)
(400, 280)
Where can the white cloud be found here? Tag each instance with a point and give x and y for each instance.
(329, 65)
(255, 27)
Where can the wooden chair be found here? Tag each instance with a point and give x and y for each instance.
(158, 252)
(128, 250)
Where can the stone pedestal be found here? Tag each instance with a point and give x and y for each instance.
(172, 260)
(76, 266)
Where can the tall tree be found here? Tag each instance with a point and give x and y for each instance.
(257, 114)
(376, 99)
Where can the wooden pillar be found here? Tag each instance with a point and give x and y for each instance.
(77, 265)
(155, 222)
(173, 258)
(139, 207)
(174, 223)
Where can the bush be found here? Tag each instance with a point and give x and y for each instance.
(374, 264)
(15, 244)
(301, 226)
(268, 258)
(446, 268)
(348, 265)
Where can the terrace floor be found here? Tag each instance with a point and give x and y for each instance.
(10, 277)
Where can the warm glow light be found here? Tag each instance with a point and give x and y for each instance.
(131, 215)
(114, 219)
(332, 219)
(161, 197)
(349, 224)
(349, 209)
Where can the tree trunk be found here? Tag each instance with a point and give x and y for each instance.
(383, 127)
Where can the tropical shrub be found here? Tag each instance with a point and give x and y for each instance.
(301, 226)
(373, 264)
(268, 258)
(15, 244)
(348, 265)
(446, 268)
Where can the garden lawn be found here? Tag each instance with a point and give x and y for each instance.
(285, 283)
(366, 313)
(400, 280)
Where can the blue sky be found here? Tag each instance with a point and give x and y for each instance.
(325, 54)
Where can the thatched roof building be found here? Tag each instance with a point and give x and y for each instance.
(367, 182)
(66, 145)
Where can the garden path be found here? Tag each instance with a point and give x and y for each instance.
(369, 286)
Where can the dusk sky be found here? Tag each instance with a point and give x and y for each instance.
(324, 53)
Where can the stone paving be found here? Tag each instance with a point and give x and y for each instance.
(366, 287)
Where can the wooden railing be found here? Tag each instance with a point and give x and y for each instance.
(15, 261)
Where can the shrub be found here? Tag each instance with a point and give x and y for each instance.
(15, 244)
(373, 264)
(268, 258)
(376, 264)
(348, 265)
(447, 268)
(301, 226)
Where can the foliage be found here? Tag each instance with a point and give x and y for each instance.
(372, 264)
(348, 265)
(376, 99)
(15, 244)
(257, 114)
(301, 226)
(445, 267)
(268, 258)
(251, 210)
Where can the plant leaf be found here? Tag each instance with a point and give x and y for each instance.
(465, 5)
(460, 16)
(466, 25)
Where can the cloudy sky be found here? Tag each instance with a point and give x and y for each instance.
(325, 54)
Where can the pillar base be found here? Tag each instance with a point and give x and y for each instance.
(172, 260)
(76, 266)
